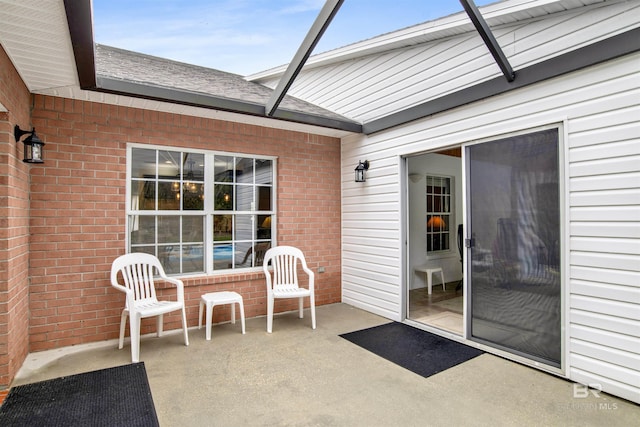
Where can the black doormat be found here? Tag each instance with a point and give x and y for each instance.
(117, 396)
(419, 351)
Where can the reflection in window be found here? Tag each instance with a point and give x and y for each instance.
(172, 205)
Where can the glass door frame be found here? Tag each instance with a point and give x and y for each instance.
(564, 240)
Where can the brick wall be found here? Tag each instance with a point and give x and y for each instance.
(15, 103)
(78, 213)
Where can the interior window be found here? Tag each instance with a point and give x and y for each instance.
(439, 215)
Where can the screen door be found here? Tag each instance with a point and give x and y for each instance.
(513, 245)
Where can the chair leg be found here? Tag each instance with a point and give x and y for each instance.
(134, 331)
(200, 310)
(159, 324)
(208, 320)
(184, 326)
(312, 303)
(269, 314)
(301, 307)
(242, 314)
(123, 322)
(429, 282)
(233, 313)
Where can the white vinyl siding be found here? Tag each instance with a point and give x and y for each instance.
(374, 86)
(599, 110)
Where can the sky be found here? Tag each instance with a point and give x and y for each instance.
(249, 36)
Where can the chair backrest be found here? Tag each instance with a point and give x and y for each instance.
(284, 260)
(137, 272)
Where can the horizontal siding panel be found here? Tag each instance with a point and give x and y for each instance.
(607, 245)
(372, 241)
(379, 259)
(383, 290)
(371, 267)
(603, 322)
(603, 353)
(629, 310)
(371, 233)
(616, 388)
(606, 198)
(366, 295)
(615, 230)
(602, 120)
(617, 373)
(605, 166)
(608, 338)
(371, 308)
(389, 216)
(617, 277)
(607, 182)
(617, 133)
(607, 291)
(628, 147)
(357, 249)
(605, 260)
(604, 214)
(350, 272)
(370, 87)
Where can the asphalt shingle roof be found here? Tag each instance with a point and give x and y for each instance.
(149, 70)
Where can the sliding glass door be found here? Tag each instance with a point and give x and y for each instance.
(513, 245)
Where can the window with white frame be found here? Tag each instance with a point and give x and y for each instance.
(439, 214)
(200, 211)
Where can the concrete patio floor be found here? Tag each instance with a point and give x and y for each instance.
(303, 377)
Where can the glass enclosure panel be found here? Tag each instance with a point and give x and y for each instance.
(513, 191)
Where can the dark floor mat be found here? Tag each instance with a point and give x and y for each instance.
(414, 349)
(117, 396)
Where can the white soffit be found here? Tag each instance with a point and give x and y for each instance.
(35, 35)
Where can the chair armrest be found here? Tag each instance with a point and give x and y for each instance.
(311, 275)
(178, 284)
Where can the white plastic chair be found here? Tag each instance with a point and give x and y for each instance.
(137, 271)
(284, 283)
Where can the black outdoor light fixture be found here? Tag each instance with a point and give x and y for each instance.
(360, 170)
(32, 145)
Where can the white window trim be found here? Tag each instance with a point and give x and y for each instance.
(208, 211)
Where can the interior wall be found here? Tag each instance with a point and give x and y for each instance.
(432, 164)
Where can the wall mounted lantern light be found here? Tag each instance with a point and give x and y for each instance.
(32, 145)
(360, 170)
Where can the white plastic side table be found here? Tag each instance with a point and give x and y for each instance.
(212, 299)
